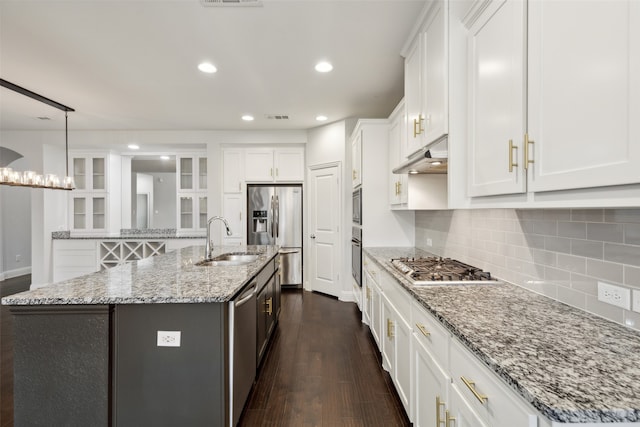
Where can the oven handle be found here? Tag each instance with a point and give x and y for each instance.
(356, 242)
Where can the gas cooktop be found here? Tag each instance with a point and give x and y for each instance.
(436, 270)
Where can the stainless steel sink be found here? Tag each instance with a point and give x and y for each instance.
(231, 258)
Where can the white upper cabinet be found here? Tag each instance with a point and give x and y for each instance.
(232, 170)
(274, 165)
(584, 94)
(356, 160)
(398, 192)
(554, 96)
(497, 98)
(426, 80)
(192, 172)
(94, 206)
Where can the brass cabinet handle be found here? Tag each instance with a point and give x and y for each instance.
(423, 330)
(269, 303)
(389, 328)
(271, 171)
(527, 160)
(439, 403)
(448, 418)
(399, 187)
(353, 175)
(511, 148)
(472, 386)
(420, 122)
(416, 129)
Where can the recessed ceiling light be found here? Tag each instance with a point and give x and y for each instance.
(321, 118)
(165, 157)
(133, 147)
(323, 67)
(247, 118)
(207, 67)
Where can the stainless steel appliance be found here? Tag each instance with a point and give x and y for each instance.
(274, 215)
(244, 333)
(356, 254)
(438, 271)
(357, 207)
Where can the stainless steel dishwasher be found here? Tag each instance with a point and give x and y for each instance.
(243, 350)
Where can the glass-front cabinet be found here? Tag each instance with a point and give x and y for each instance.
(192, 192)
(91, 203)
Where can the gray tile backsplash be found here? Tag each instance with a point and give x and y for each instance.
(561, 253)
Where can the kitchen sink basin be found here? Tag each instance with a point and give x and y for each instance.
(231, 258)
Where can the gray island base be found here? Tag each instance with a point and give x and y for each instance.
(147, 343)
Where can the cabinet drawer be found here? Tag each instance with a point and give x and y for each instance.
(370, 266)
(396, 294)
(500, 406)
(432, 335)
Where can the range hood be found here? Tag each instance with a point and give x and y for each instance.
(431, 158)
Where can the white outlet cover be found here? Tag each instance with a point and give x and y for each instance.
(168, 338)
(614, 295)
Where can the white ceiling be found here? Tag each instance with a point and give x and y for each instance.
(132, 65)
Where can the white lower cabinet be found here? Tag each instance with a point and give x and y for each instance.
(438, 380)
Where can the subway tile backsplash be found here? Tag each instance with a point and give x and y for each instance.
(561, 253)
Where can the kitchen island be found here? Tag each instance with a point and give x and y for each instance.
(571, 366)
(145, 343)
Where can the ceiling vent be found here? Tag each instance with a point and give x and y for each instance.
(276, 116)
(231, 3)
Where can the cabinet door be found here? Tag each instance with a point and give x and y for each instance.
(395, 131)
(356, 160)
(289, 165)
(233, 171)
(402, 368)
(258, 165)
(376, 315)
(186, 211)
(233, 208)
(202, 173)
(186, 170)
(80, 171)
(413, 96)
(202, 212)
(584, 106)
(431, 388)
(98, 173)
(388, 342)
(436, 70)
(497, 99)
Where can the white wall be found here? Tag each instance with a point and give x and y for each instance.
(328, 144)
(15, 227)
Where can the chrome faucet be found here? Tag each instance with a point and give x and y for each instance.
(208, 249)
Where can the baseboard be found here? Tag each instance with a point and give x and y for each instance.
(15, 273)
(347, 296)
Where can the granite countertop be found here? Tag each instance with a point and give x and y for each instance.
(574, 367)
(167, 278)
(129, 234)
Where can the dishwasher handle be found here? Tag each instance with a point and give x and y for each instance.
(246, 295)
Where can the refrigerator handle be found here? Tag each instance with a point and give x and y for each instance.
(271, 222)
(276, 215)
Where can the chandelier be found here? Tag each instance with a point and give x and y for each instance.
(30, 178)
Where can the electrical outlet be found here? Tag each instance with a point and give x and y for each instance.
(636, 300)
(614, 295)
(168, 338)
(429, 242)
(18, 258)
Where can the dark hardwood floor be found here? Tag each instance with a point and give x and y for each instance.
(8, 287)
(322, 369)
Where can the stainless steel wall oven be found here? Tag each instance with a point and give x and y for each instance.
(356, 254)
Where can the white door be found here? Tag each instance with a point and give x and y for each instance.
(324, 232)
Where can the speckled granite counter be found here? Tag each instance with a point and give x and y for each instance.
(142, 235)
(570, 365)
(168, 278)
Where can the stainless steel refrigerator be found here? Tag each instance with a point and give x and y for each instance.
(274, 215)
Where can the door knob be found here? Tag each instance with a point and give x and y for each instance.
(313, 236)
